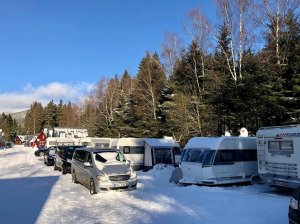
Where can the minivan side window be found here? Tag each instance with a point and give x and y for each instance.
(87, 157)
(79, 155)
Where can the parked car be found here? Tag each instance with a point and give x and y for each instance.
(63, 157)
(41, 151)
(294, 208)
(102, 169)
(49, 156)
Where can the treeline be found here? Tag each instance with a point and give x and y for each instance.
(244, 73)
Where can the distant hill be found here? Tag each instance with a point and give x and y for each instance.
(19, 117)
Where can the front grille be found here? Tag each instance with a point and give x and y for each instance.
(119, 178)
(285, 169)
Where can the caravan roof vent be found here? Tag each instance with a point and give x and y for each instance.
(243, 132)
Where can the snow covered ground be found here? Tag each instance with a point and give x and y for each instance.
(31, 192)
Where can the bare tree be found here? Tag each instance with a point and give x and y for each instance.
(269, 15)
(172, 49)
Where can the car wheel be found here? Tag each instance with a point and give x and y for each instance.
(92, 187)
(55, 167)
(64, 169)
(74, 177)
(42, 154)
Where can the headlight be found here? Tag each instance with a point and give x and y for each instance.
(133, 175)
(294, 203)
(102, 178)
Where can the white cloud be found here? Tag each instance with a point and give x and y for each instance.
(18, 101)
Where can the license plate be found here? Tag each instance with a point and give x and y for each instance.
(120, 185)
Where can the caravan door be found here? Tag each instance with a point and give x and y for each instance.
(191, 165)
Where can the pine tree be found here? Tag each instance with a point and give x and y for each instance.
(150, 83)
(34, 119)
(50, 113)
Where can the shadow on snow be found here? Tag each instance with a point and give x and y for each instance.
(22, 199)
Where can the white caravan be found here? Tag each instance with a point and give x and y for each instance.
(278, 152)
(218, 160)
(55, 141)
(96, 142)
(144, 153)
(133, 149)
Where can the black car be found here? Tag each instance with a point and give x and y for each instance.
(41, 151)
(49, 156)
(63, 157)
(294, 208)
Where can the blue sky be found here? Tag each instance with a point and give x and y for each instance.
(52, 45)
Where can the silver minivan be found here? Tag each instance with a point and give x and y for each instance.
(102, 169)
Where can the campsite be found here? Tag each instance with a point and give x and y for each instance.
(34, 193)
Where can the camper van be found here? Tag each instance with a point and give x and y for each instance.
(278, 151)
(218, 160)
(144, 153)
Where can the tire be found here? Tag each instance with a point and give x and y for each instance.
(92, 187)
(74, 180)
(55, 167)
(42, 153)
(64, 169)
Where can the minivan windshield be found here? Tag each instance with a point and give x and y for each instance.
(109, 157)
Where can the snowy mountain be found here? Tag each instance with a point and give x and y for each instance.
(19, 117)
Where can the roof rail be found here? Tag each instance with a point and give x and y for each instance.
(280, 127)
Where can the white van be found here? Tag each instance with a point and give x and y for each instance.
(218, 160)
(102, 169)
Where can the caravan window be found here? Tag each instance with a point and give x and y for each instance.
(280, 147)
(249, 155)
(176, 151)
(127, 149)
(204, 156)
(192, 155)
(225, 156)
(209, 157)
(133, 149)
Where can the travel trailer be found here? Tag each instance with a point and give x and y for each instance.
(278, 152)
(133, 149)
(57, 141)
(218, 160)
(144, 153)
(96, 142)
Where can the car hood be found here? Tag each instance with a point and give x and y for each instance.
(116, 169)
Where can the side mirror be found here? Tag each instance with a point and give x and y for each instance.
(87, 164)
